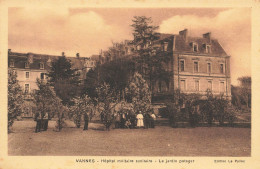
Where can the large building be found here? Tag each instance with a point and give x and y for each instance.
(30, 66)
(197, 64)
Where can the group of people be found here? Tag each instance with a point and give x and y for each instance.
(41, 122)
(122, 120)
(127, 120)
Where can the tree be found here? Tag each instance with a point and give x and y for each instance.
(65, 80)
(150, 58)
(139, 94)
(81, 105)
(245, 90)
(44, 98)
(106, 101)
(116, 73)
(15, 98)
(46, 101)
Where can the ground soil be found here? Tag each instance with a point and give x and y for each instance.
(161, 141)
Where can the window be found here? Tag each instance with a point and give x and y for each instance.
(165, 46)
(42, 76)
(26, 65)
(210, 85)
(197, 85)
(26, 88)
(209, 68)
(41, 66)
(12, 63)
(196, 66)
(183, 85)
(27, 75)
(208, 49)
(222, 87)
(159, 86)
(195, 47)
(221, 68)
(182, 65)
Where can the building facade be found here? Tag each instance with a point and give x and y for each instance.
(30, 66)
(197, 64)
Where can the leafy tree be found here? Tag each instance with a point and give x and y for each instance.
(220, 106)
(15, 98)
(44, 97)
(241, 95)
(138, 93)
(106, 101)
(81, 105)
(116, 73)
(65, 80)
(46, 101)
(245, 89)
(150, 58)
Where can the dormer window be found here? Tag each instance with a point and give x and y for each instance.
(208, 49)
(195, 47)
(165, 46)
(41, 66)
(26, 65)
(12, 63)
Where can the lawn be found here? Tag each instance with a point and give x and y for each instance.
(161, 141)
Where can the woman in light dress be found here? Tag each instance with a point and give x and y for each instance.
(140, 120)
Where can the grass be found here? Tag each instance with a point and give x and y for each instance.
(161, 141)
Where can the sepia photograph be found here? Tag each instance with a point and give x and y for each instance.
(129, 82)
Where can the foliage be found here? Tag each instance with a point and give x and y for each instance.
(115, 73)
(106, 101)
(138, 93)
(46, 101)
(241, 95)
(15, 98)
(151, 61)
(178, 113)
(81, 105)
(65, 80)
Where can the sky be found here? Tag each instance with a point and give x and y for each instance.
(88, 30)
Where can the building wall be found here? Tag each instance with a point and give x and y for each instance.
(189, 75)
(33, 75)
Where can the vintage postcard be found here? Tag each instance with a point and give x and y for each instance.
(129, 84)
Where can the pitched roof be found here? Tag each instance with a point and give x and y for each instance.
(185, 45)
(21, 58)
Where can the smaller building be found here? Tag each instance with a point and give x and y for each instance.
(30, 66)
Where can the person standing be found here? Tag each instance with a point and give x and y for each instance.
(86, 118)
(153, 118)
(45, 121)
(117, 121)
(146, 120)
(123, 120)
(38, 122)
(132, 121)
(140, 122)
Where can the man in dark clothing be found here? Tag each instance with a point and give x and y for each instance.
(45, 121)
(38, 122)
(146, 120)
(132, 120)
(86, 121)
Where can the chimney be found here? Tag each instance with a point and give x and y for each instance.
(184, 34)
(207, 36)
(173, 42)
(63, 54)
(30, 57)
(77, 55)
(9, 51)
